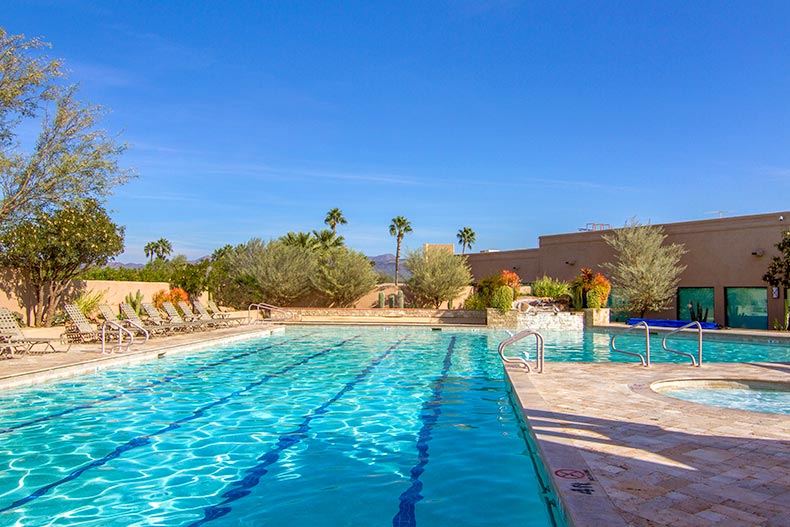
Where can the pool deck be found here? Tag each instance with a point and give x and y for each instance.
(617, 453)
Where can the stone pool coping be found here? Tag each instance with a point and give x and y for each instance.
(619, 453)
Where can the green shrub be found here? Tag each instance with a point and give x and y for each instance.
(502, 299)
(343, 276)
(89, 300)
(550, 288)
(594, 298)
(436, 276)
(475, 302)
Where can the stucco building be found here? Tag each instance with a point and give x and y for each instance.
(725, 262)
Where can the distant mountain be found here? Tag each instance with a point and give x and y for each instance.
(385, 263)
(119, 265)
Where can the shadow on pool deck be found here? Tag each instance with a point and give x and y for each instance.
(620, 454)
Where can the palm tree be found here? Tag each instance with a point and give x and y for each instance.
(466, 237)
(334, 218)
(149, 251)
(299, 239)
(326, 239)
(398, 228)
(160, 249)
(163, 248)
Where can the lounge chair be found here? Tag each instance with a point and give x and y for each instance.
(81, 329)
(175, 317)
(12, 339)
(154, 318)
(222, 320)
(216, 312)
(130, 320)
(189, 315)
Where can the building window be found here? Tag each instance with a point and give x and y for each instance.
(747, 307)
(695, 303)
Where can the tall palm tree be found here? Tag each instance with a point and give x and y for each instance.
(398, 228)
(334, 218)
(466, 237)
(150, 251)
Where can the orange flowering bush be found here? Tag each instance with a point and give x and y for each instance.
(511, 280)
(173, 296)
(591, 289)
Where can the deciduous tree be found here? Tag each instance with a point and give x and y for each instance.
(71, 159)
(436, 276)
(343, 276)
(53, 248)
(646, 272)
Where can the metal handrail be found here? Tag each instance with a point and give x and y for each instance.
(138, 327)
(696, 361)
(121, 330)
(539, 350)
(645, 359)
(285, 315)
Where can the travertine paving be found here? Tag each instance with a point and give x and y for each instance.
(621, 454)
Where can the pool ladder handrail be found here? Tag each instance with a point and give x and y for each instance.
(644, 359)
(539, 350)
(695, 361)
(283, 315)
(121, 332)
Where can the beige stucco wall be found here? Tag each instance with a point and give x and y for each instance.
(720, 255)
(15, 297)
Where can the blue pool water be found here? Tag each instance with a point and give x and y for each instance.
(593, 346)
(754, 399)
(311, 427)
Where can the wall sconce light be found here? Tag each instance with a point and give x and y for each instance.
(571, 262)
(516, 268)
(758, 253)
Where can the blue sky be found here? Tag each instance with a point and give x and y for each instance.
(517, 119)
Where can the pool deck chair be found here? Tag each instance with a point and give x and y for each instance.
(189, 315)
(175, 317)
(155, 320)
(216, 312)
(12, 339)
(81, 329)
(221, 320)
(130, 320)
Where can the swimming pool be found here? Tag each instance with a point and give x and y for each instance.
(593, 346)
(312, 427)
(739, 394)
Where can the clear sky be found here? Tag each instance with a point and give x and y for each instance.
(517, 119)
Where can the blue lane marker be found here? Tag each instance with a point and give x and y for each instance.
(431, 410)
(244, 486)
(143, 440)
(151, 384)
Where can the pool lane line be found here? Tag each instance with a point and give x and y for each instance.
(244, 486)
(144, 440)
(138, 389)
(431, 410)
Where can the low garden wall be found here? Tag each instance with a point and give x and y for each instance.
(435, 316)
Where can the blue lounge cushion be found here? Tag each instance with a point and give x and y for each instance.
(660, 323)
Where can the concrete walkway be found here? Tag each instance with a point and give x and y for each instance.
(621, 454)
